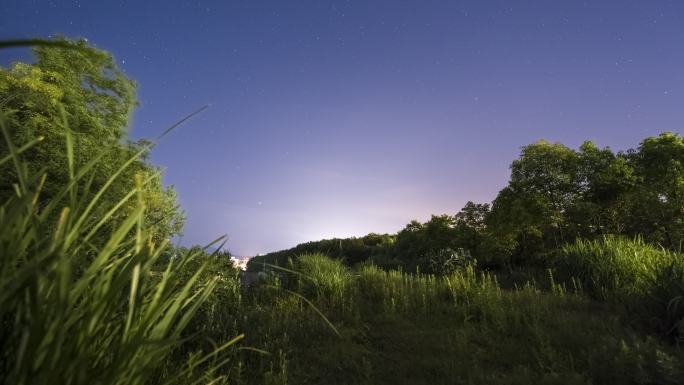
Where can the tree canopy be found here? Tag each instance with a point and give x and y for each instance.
(79, 89)
(555, 195)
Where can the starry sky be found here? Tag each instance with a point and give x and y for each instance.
(339, 118)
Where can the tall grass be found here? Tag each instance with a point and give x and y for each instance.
(398, 292)
(323, 278)
(406, 328)
(76, 311)
(647, 280)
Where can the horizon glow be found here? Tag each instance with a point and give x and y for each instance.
(336, 118)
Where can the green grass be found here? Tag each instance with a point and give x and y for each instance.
(323, 279)
(83, 304)
(647, 281)
(393, 327)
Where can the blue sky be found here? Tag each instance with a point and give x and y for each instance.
(339, 118)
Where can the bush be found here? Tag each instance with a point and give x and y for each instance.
(448, 260)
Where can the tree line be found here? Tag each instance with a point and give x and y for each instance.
(555, 195)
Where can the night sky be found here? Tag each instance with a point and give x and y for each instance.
(339, 118)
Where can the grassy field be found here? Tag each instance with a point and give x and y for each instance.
(331, 325)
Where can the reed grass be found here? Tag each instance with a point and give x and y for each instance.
(409, 328)
(648, 281)
(74, 311)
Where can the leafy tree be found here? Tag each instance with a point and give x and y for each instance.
(447, 260)
(417, 243)
(81, 90)
(605, 179)
(556, 195)
(470, 226)
(656, 205)
(530, 213)
(515, 223)
(377, 248)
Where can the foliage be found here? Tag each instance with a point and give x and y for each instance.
(647, 280)
(656, 205)
(470, 227)
(447, 261)
(322, 278)
(415, 328)
(82, 89)
(73, 312)
(375, 247)
(417, 244)
(557, 194)
(92, 293)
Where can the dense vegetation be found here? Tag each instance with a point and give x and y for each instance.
(555, 195)
(573, 274)
(91, 291)
(81, 90)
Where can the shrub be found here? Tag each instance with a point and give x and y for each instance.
(448, 260)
